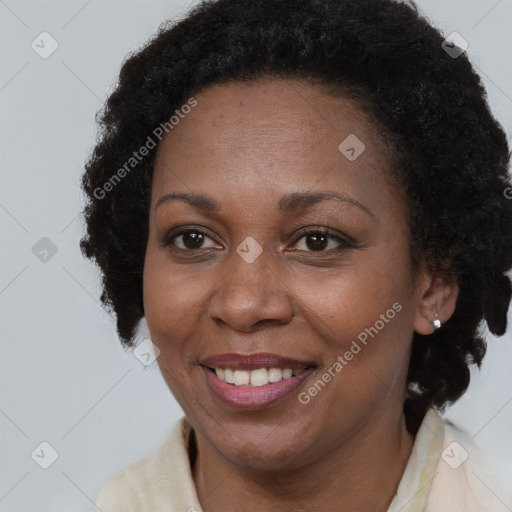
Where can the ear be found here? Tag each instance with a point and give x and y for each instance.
(436, 294)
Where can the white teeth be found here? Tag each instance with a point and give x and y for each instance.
(228, 376)
(259, 377)
(287, 373)
(241, 378)
(275, 374)
(255, 378)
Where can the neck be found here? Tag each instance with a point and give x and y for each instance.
(360, 474)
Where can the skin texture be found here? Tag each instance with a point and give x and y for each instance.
(246, 146)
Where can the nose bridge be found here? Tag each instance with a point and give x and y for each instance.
(251, 291)
(249, 271)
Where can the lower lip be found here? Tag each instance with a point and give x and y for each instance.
(257, 397)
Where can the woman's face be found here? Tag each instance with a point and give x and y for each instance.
(258, 169)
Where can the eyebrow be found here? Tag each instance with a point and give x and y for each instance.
(198, 201)
(287, 204)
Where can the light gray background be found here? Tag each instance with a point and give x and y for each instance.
(64, 377)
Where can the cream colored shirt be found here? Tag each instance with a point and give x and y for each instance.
(444, 473)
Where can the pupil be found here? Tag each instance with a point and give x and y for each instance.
(192, 240)
(317, 244)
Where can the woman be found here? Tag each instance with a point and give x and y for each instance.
(306, 202)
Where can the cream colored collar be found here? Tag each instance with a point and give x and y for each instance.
(163, 482)
(415, 484)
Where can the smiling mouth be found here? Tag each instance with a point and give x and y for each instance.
(252, 389)
(257, 377)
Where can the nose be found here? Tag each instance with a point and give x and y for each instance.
(251, 294)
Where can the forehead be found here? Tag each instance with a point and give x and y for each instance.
(272, 135)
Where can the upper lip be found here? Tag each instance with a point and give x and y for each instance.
(254, 361)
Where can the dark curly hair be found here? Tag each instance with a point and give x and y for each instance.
(450, 155)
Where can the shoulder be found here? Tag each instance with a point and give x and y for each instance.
(161, 480)
(464, 479)
(129, 488)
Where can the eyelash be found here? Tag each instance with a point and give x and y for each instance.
(345, 241)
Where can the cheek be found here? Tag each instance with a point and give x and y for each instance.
(171, 303)
(363, 315)
(342, 303)
(169, 294)
(365, 340)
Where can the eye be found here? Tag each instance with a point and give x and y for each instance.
(189, 239)
(321, 239)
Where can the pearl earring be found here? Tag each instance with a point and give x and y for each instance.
(436, 323)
